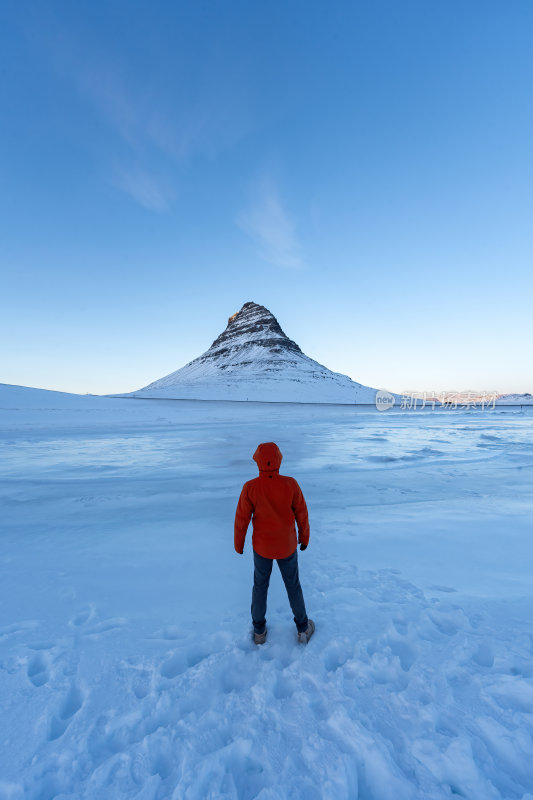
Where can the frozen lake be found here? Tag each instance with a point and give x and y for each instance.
(127, 669)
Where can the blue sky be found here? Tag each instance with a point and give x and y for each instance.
(364, 170)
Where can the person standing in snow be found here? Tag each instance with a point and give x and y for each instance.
(274, 502)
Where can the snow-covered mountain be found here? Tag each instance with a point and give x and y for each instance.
(515, 399)
(253, 359)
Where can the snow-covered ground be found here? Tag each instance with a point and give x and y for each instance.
(126, 664)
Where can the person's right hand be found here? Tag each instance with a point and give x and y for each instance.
(303, 546)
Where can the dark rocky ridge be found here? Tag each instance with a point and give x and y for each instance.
(257, 324)
(252, 326)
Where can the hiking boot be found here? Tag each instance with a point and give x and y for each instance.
(304, 636)
(260, 638)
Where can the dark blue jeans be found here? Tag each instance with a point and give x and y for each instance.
(289, 572)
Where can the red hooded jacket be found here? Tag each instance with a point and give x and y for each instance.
(273, 502)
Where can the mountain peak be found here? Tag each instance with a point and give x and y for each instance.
(250, 307)
(253, 324)
(253, 359)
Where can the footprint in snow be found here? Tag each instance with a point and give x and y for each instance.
(37, 671)
(105, 625)
(70, 706)
(17, 627)
(401, 626)
(447, 622)
(284, 686)
(337, 654)
(83, 616)
(173, 666)
(141, 685)
(484, 654)
(167, 633)
(47, 645)
(405, 652)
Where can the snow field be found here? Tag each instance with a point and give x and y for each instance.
(126, 664)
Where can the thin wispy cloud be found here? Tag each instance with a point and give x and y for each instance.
(268, 224)
(145, 188)
(156, 126)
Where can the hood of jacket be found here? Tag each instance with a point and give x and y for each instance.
(268, 457)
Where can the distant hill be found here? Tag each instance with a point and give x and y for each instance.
(515, 399)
